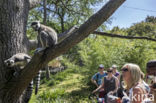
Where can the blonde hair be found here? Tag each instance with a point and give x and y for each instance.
(135, 73)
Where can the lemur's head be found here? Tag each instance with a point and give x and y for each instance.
(9, 62)
(36, 25)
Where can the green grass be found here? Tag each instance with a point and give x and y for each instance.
(68, 86)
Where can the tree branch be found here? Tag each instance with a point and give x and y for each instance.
(66, 34)
(40, 60)
(34, 3)
(122, 36)
(32, 44)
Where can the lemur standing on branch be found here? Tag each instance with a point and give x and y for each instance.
(47, 37)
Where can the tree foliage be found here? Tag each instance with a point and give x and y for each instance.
(62, 14)
(105, 50)
(144, 28)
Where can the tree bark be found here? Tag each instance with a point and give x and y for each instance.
(13, 19)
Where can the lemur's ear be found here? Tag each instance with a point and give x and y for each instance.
(35, 23)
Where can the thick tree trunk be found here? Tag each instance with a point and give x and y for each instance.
(13, 19)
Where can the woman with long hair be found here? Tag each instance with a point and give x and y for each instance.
(135, 88)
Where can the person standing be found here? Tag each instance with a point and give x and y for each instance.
(115, 72)
(97, 78)
(110, 84)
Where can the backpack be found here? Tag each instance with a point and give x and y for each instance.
(97, 77)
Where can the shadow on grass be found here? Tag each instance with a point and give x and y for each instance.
(77, 96)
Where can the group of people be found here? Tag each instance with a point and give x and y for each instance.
(131, 79)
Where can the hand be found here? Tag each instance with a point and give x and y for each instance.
(111, 93)
(94, 91)
(102, 89)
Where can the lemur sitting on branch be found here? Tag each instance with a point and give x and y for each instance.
(47, 37)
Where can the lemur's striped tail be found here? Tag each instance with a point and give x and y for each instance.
(28, 92)
(37, 80)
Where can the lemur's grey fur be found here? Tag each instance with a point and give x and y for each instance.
(46, 37)
(18, 60)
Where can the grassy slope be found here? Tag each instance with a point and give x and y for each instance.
(68, 87)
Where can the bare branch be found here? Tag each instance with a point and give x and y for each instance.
(122, 36)
(34, 3)
(67, 33)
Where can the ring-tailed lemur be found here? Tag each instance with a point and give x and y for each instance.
(19, 61)
(46, 37)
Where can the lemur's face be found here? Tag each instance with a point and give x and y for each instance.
(9, 63)
(35, 25)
